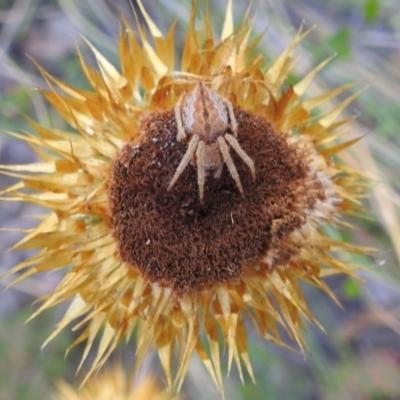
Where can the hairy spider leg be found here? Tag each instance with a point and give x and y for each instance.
(232, 118)
(178, 116)
(235, 144)
(201, 172)
(218, 171)
(229, 162)
(185, 160)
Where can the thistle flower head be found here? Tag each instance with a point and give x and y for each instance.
(186, 273)
(113, 383)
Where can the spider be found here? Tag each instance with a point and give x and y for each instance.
(206, 117)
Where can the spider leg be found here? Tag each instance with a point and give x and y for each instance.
(232, 117)
(185, 160)
(178, 116)
(235, 144)
(201, 172)
(229, 162)
(217, 173)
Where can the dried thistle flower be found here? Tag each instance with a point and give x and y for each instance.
(180, 270)
(113, 383)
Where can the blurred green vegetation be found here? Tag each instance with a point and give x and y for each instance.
(26, 371)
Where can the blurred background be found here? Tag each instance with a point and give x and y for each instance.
(359, 356)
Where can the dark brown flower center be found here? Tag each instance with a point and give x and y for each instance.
(178, 242)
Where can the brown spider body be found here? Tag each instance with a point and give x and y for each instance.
(207, 118)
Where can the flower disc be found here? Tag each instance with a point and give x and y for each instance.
(179, 242)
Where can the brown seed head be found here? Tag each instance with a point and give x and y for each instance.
(178, 242)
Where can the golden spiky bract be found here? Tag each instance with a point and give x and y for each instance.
(112, 297)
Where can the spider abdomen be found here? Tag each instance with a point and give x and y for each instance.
(212, 157)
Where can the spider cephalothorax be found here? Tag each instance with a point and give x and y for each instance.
(207, 117)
